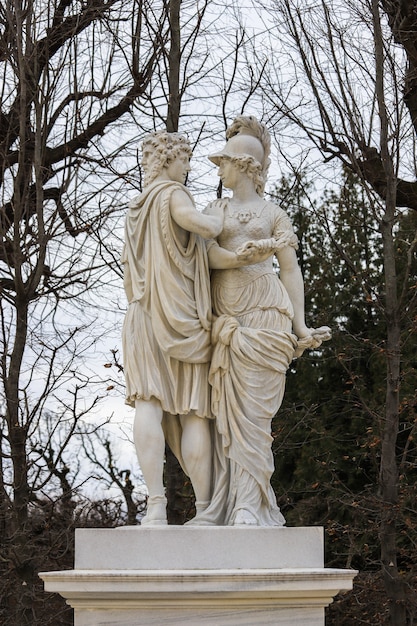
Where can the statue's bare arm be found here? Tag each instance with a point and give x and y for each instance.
(292, 279)
(222, 259)
(185, 214)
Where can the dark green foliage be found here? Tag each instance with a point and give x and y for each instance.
(328, 432)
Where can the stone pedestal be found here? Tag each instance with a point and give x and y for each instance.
(209, 576)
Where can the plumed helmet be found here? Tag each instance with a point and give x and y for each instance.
(240, 145)
(246, 136)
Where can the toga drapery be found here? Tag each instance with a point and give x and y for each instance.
(166, 332)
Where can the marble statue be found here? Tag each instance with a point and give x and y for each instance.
(184, 370)
(167, 328)
(259, 328)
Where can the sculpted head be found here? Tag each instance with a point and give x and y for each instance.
(159, 149)
(248, 146)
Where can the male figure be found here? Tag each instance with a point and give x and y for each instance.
(166, 333)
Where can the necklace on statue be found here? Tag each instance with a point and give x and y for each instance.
(245, 215)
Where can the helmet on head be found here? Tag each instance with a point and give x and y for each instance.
(240, 145)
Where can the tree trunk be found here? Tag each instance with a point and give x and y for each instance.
(174, 60)
(394, 587)
(18, 547)
(179, 491)
(175, 479)
(17, 432)
(389, 468)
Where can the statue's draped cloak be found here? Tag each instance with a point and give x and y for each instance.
(166, 333)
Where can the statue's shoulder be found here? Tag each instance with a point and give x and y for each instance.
(180, 194)
(274, 205)
(279, 218)
(162, 191)
(134, 202)
(275, 209)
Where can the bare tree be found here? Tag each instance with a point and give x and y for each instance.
(71, 75)
(81, 84)
(350, 92)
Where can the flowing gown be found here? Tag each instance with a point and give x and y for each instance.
(253, 347)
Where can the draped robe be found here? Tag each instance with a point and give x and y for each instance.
(166, 332)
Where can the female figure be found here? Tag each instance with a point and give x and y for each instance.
(166, 333)
(260, 327)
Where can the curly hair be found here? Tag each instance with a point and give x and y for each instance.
(159, 149)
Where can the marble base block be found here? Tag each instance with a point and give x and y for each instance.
(210, 576)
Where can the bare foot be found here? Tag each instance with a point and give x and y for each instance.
(156, 515)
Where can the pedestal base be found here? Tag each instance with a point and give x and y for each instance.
(212, 576)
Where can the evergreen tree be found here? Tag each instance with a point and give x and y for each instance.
(328, 430)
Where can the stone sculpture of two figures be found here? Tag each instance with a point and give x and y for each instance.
(211, 329)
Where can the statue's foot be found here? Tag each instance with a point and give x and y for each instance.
(200, 507)
(156, 515)
(245, 518)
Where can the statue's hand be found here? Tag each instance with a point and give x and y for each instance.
(246, 250)
(261, 249)
(321, 334)
(215, 214)
(253, 252)
(215, 208)
(313, 339)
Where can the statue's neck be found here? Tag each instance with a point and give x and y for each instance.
(244, 192)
